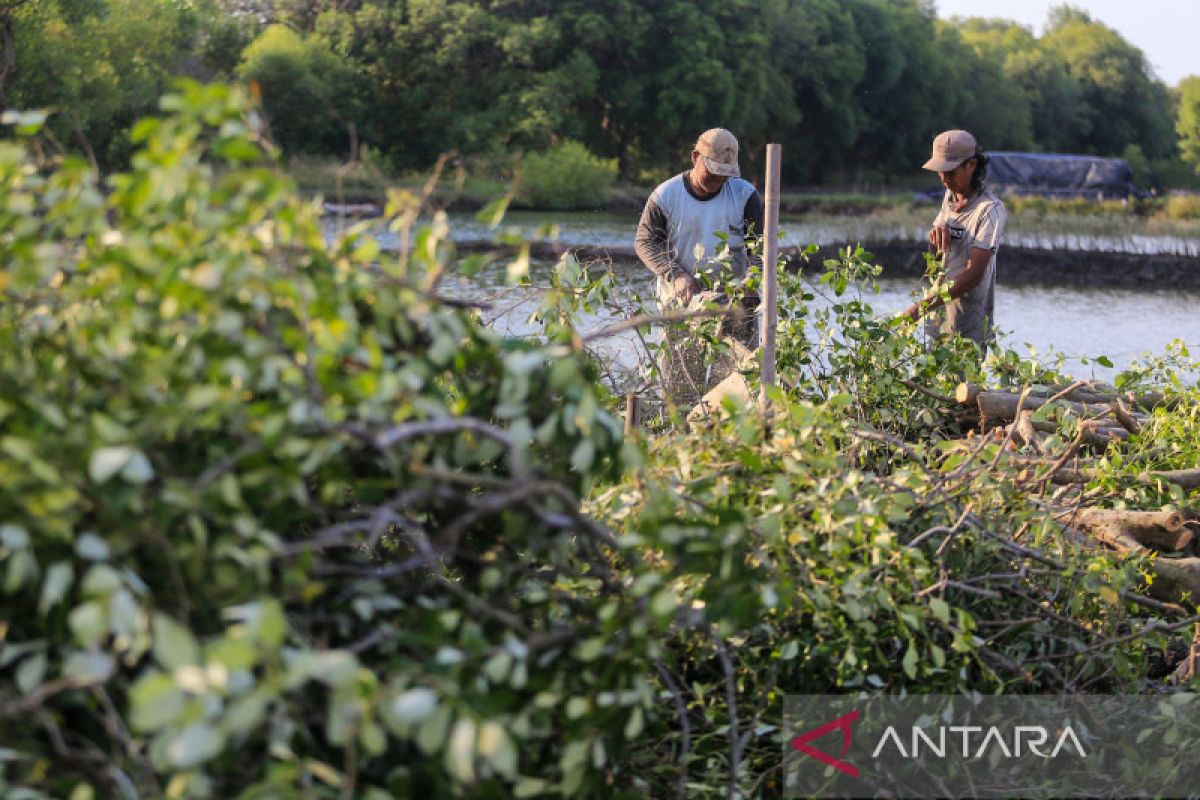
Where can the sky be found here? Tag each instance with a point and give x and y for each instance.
(1165, 30)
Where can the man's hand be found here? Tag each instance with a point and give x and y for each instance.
(685, 287)
(939, 238)
(910, 314)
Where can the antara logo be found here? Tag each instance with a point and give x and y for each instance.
(1033, 737)
(974, 741)
(800, 743)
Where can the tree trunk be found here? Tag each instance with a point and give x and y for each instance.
(1189, 479)
(1163, 530)
(8, 54)
(1090, 394)
(1174, 576)
(1003, 405)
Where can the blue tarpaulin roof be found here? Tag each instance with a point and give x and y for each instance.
(1060, 175)
(1056, 175)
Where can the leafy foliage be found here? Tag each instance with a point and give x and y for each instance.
(567, 177)
(206, 409)
(1187, 124)
(310, 95)
(102, 65)
(277, 519)
(854, 89)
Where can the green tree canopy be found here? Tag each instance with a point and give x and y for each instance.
(1188, 121)
(855, 89)
(309, 93)
(1123, 103)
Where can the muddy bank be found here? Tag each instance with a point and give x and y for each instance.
(1018, 265)
(1039, 266)
(623, 200)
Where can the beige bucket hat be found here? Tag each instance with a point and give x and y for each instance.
(950, 148)
(719, 149)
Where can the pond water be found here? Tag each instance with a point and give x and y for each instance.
(1080, 322)
(606, 229)
(1121, 324)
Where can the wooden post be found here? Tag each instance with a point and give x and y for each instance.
(632, 413)
(769, 310)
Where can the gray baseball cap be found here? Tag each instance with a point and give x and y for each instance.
(719, 149)
(950, 148)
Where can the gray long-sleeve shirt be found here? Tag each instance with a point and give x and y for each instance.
(682, 232)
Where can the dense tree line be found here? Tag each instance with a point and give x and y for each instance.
(853, 88)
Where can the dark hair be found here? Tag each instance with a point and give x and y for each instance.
(981, 166)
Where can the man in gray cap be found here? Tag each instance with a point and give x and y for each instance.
(697, 224)
(677, 238)
(966, 233)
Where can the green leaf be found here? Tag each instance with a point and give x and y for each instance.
(31, 672)
(155, 701)
(635, 724)
(91, 547)
(26, 123)
(89, 667)
(14, 537)
(518, 268)
(940, 609)
(493, 213)
(88, 623)
(174, 645)
(272, 625)
(108, 461)
(910, 661)
(583, 455)
(100, 581)
(246, 714)
(531, 787)
(497, 667)
(414, 706)
(576, 707)
(194, 745)
(497, 747)
(459, 758)
(137, 469)
(590, 649)
(431, 736)
(54, 587)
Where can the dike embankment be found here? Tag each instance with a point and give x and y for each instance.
(1017, 265)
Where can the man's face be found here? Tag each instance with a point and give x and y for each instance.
(958, 180)
(703, 180)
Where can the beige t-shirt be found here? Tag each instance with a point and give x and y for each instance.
(979, 224)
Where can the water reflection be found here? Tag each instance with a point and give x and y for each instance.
(1081, 323)
(605, 229)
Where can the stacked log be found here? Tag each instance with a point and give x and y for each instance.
(1087, 393)
(1165, 540)
(1105, 418)
(1162, 530)
(1146, 533)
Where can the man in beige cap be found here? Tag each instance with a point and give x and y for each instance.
(694, 225)
(696, 217)
(966, 233)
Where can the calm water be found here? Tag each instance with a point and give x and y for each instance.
(606, 229)
(1078, 322)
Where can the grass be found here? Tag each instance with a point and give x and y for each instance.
(366, 181)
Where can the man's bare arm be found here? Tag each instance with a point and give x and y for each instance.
(964, 282)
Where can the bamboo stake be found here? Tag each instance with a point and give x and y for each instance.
(632, 414)
(769, 311)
